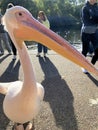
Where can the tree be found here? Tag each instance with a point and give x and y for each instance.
(29, 4)
(59, 12)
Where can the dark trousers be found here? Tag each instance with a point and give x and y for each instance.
(13, 46)
(42, 48)
(91, 49)
(86, 39)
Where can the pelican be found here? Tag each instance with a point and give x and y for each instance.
(22, 98)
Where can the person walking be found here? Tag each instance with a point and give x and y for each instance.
(89, 30)
(3, 39)
(12, 45)
(42, 18)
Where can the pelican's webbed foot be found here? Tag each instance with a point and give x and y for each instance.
(25, 126)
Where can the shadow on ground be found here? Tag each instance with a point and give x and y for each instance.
(59, 96)
(11, 74)
(93, 79)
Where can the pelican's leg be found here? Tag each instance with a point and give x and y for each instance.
(28, 126)
(18, 126)
(25, 126)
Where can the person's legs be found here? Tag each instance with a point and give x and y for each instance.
(91, 49)
(1, 47)
(39, 46)
(45, 50)
(85, 43)
(95, 57)
(6, 41)
(94, 41)
(14, 50)
(85, 47)
(12, 45)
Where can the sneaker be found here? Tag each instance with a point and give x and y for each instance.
(1, 53)
(84, 71)
(45, 55)
(14, 57)
(38, 55)
(90, 54)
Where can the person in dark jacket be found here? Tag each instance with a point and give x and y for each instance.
(12, 45)
(4, 38)
(89, 31)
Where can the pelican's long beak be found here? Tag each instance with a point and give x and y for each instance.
(31, 29)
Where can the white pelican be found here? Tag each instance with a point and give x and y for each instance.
(22, 99)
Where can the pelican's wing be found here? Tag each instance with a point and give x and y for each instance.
(40, 90)
(4, 87)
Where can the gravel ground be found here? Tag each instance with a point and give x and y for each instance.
(71, 97)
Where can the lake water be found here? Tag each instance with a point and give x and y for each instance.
(72, 36)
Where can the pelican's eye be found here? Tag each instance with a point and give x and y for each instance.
(20, 14)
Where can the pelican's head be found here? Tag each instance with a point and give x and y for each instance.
(22, 26)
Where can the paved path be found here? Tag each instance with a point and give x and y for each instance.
(71, 97)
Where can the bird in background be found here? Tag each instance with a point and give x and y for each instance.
(23, 98)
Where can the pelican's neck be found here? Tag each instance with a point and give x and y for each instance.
(29, 77)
